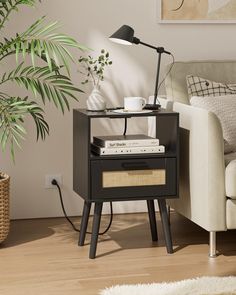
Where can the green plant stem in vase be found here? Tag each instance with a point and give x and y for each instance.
(93, 69)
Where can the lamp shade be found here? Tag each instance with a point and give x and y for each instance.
(123, 36)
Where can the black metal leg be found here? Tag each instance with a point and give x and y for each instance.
(95, 230)
(165, 224)
(84, 223)
(152, 219)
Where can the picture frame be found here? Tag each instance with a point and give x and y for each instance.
(221, 17)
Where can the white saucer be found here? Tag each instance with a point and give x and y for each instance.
(123, 111)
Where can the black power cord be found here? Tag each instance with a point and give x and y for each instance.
(171, 66)
(54, 182)
(125, 127)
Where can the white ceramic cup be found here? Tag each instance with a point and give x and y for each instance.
(134, 104)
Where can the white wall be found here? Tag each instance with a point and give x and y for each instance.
(91, 22)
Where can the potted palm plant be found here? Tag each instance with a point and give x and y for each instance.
(48, 82)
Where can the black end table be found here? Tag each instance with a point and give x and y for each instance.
(98, 179)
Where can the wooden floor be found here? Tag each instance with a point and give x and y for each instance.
(42, 256)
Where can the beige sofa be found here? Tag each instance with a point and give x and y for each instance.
(207, 176)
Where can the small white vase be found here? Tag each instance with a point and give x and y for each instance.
(95, 101)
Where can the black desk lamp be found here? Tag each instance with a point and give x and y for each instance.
(125, 36)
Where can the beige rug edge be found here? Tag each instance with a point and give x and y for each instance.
(196, 286)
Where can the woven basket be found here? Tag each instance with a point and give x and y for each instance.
(4, 206)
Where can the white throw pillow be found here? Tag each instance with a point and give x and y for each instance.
(224, 107)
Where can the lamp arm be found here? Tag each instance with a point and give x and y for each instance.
(157, 78)
(158, 49)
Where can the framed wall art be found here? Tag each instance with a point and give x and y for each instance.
(197, 11)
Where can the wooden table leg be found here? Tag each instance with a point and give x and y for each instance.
(152, 219)
(95, 229)
(84, 222)
(165, 224)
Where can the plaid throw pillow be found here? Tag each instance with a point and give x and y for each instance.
(198, 86)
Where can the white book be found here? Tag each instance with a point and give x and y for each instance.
(117, 141)
(128, 150)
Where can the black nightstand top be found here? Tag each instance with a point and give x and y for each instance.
(111, 114)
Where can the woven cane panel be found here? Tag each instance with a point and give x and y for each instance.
(4, 206)
(133, 178)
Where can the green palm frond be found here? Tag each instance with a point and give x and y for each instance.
(7, 6)
(41, 40)
(12, 114)
(13, 46)
(56, 88)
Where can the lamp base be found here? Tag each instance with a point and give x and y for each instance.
(154, 107)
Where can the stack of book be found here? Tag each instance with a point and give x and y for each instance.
(126, 144)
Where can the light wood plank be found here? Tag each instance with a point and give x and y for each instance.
(42, 256)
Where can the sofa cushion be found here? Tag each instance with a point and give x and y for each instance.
(224, 107)
(198, 86)
(231, 214)
(230, 179)
(229, 157)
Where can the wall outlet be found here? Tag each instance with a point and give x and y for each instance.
(49, 178)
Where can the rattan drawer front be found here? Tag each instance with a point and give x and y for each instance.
(133, 178)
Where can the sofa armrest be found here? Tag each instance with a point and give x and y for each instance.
(202, 168)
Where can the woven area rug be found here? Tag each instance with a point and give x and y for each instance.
(198, 286)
